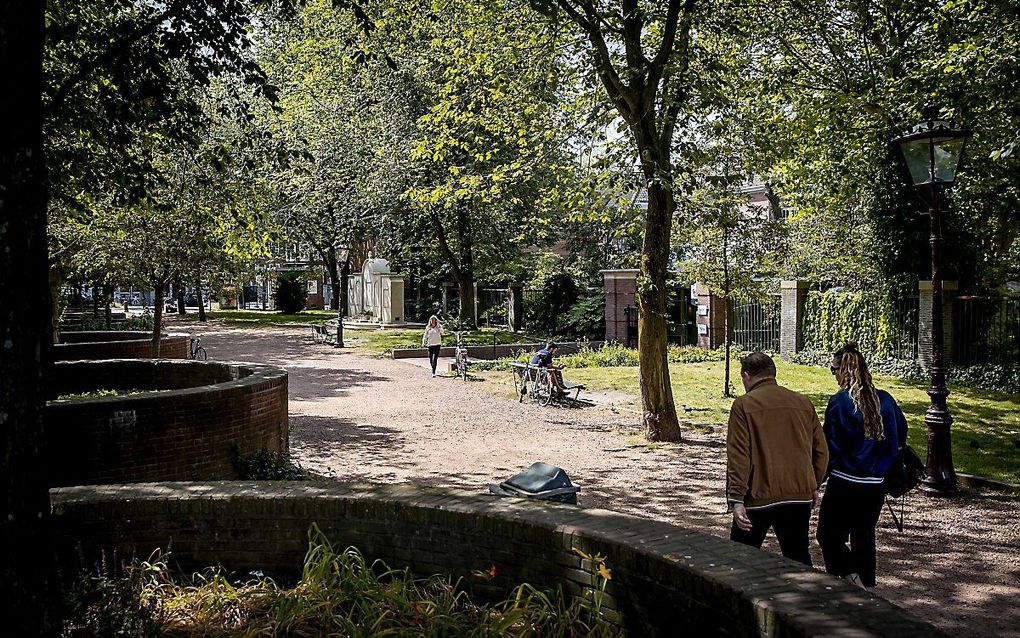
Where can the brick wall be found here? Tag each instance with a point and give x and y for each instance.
(187, 433)
(711, 319)
(621, 293)
(664, 577)
(118, 345)
(791, 326)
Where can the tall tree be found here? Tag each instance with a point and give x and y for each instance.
(641, 52)
(27, 571)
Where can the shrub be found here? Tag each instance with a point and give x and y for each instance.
(610, 355)
(340, 594)
(264, 465)
(586, 319)
(291, 293)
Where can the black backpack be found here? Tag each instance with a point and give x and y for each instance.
(906, 473)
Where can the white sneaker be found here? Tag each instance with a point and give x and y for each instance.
(433, 375)
(854, 579)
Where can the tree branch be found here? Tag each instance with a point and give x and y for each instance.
(115, 50)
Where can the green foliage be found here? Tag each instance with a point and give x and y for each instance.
(611, 355)
(110, 598)
(263, 465)
(340, 593)
(834, 318)
(586, 319)
(291, 293)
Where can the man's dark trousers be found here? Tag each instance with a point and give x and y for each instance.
(790, 522)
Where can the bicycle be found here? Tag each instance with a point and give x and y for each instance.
(461, 357)
(198, 352)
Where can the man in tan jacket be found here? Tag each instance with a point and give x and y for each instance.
(776, 458)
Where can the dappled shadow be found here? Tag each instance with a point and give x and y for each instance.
(319, 384)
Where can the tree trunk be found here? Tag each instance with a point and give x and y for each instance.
(107, 299)
(329, 258)
(659, 412)
(727, 387)
(157, 317)
(95, 301)
(466, 273)
(28, 585)
(201, 301)
(341, 293)
(179, 288)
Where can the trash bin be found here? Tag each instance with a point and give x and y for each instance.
(540, 481)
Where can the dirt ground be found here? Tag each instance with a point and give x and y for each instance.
(361, 417)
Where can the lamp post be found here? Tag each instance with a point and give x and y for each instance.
(932, 150)
(342, 253)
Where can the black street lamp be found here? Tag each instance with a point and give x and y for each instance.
(932, 150)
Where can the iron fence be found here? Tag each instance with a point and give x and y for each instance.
(986, 330)
(756, 324)
(904, 326)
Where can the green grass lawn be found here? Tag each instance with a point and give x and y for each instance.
(986, 419)
(383, 340)
(265, 317)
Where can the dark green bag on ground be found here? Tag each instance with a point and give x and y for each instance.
(905, 474)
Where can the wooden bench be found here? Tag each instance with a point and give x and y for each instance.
(324, 332)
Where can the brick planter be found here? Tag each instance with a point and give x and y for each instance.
(186, 433)
(666, 580)
(117, 344)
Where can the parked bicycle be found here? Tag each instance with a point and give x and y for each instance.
(198, 352)
(461, 357)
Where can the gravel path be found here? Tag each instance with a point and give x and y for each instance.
(359, 417)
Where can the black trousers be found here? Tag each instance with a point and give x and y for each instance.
(790, 522)
(434, 357)
(850, 511)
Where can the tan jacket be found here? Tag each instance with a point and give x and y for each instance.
(775, 448)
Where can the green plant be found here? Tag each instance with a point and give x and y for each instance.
(341, 593)
(263, 465)
(110, 598)
(291, 293)
(587, 317)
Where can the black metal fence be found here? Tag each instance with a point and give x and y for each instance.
(986, 330)
(756, 324)
(494, 307)
(904, 326)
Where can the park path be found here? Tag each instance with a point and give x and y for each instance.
(358, 417)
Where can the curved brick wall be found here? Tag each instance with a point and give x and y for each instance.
(117, 344)
(666, 580)
(187, 433)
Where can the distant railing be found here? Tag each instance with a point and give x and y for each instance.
(756, 324)
(986, 330)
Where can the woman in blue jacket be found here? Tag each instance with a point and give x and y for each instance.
(864, 428)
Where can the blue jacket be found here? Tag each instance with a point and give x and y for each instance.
(851, 454)
(542, 358)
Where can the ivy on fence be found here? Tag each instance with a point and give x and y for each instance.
(833, 318)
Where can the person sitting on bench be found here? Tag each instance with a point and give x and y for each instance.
(544, 359)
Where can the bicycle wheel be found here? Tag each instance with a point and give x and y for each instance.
(201, 354)
(545, 393)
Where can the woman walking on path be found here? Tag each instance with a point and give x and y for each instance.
(864, 428)
(433, 338)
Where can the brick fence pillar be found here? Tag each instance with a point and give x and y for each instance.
(710, 317)
(621, 292)
(924, 322)
(791, 326)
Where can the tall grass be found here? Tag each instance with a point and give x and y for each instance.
(341, 594)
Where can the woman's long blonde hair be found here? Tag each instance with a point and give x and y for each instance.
(852, 373)
(433, 320)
